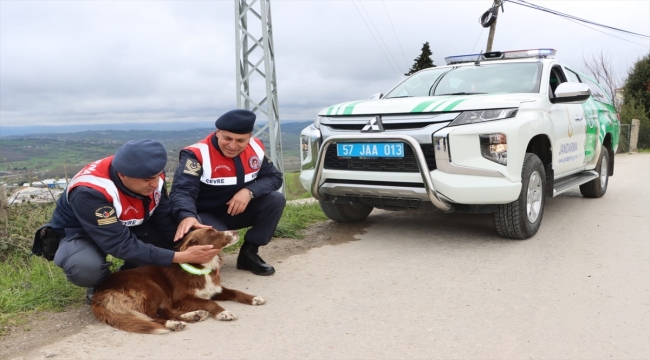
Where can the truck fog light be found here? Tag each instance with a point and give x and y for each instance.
(304, 148)
(494, 147)
(310, 139)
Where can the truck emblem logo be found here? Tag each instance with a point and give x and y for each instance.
(374, 125)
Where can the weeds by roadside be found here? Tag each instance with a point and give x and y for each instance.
(297, 218)
(29, 284)
(17, 231)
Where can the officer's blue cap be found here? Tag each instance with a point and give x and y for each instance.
(140, 159)
(237, 121)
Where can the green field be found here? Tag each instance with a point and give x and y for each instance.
(24, 158)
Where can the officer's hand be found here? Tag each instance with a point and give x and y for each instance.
(198, 254)
(238, 203)
(187, 224)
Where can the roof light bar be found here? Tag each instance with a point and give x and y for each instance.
(502, 55)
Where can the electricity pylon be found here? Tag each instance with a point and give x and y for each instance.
(256, 84)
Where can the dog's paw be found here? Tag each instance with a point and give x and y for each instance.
(175, 325)
(226, 316)
(258, 300)
(195, 316)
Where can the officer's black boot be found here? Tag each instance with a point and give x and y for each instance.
(249, 260)
(90, 291)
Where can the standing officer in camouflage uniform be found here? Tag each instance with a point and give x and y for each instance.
(225, 181)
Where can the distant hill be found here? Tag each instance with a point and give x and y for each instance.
(171, 126)
(51, 153)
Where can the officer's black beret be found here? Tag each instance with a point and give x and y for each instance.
(237, 121)
(140, 159)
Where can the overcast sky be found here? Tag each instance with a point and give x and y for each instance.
(67, 62)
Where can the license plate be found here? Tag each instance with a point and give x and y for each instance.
(370, 150)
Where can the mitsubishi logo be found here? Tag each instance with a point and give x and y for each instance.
(374, 125)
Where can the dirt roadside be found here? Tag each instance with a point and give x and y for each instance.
(46, 328)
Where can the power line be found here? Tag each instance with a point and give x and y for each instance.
(477, 39)
(378, 33)
(554, 12)
(394, 32)
(587, 26)
(373, 36)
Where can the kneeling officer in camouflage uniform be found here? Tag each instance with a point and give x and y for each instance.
(119, 206)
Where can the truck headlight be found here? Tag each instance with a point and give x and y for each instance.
(310, 139)
(494, 147)
(477, 116)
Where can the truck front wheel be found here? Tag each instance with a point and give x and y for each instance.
(346, 212)
(521, 218)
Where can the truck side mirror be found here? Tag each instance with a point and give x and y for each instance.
(571, 93)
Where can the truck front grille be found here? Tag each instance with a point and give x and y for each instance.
(406, 164)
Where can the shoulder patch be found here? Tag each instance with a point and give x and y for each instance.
(254, 162)
(105, 215)
(192, 167)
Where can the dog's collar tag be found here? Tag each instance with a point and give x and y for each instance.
(192, 270)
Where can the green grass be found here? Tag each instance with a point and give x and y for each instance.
(293, 188)
(30, 284)
(297, 218)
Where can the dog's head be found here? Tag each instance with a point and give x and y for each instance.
(209, 236)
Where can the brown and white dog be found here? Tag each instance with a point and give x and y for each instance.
(156, 299)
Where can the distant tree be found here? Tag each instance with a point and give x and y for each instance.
(633, 110)
(636, 99)
(423, 61)
(637, 84)
(600, 67)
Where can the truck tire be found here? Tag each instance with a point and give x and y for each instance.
(349, 212)
(521, 218)
(598, 187)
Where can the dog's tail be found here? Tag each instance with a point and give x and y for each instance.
(120, 311)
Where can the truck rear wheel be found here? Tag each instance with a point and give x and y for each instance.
(598, 187)
(346, 212)
(521, 218)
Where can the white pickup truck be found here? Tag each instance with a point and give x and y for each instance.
(497, 132)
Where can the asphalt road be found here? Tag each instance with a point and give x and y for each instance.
(434, 285)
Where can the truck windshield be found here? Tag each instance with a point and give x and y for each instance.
(465, 80)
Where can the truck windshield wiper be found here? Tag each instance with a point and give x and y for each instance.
(398, 97)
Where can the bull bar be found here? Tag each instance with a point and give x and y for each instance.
(421, 161)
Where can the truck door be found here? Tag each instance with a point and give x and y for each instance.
(590, 110)
(569, 123)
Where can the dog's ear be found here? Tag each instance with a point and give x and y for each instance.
(190, 239)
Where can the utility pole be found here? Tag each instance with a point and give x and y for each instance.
(256, 83)
(493, 27)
